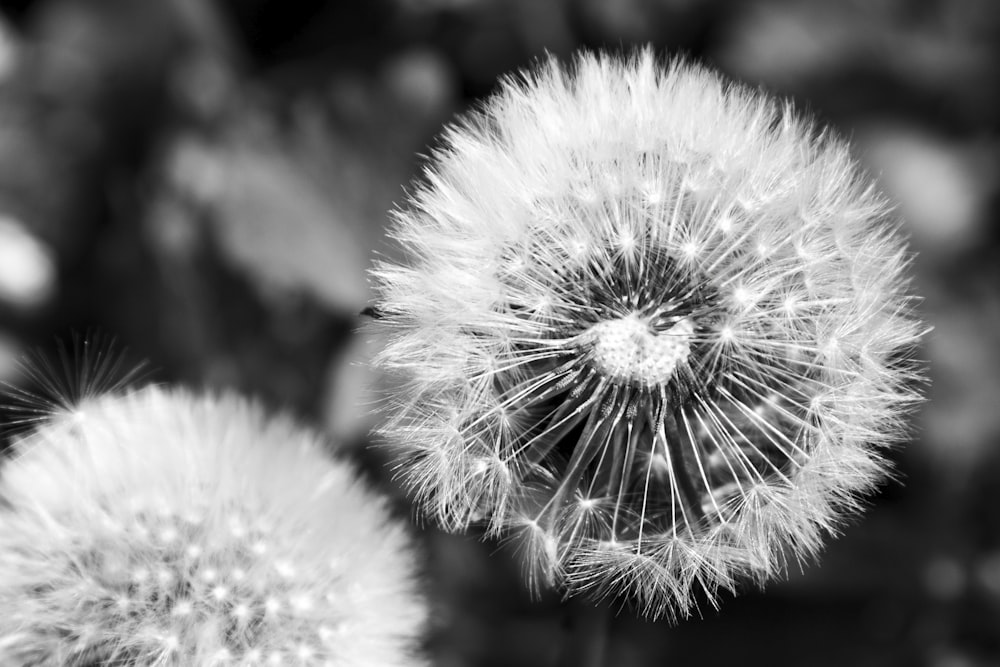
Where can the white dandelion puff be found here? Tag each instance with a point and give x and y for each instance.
(132, 535)
(652, 320)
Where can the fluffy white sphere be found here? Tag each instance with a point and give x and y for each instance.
(165, 528)
(651, 319)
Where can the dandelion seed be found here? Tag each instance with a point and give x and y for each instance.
(193, 593)
(716, 368)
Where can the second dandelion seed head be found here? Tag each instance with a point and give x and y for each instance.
(161, 527)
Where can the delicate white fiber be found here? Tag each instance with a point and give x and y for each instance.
(164, 528)
(653, 321)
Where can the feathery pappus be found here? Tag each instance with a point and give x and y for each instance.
(161, 527)
(651, 321)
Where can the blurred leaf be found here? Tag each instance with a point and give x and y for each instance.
(27, 267)
(942, 186)
(272, 223)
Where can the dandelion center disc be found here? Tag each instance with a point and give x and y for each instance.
(629, 349)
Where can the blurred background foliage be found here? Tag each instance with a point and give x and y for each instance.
(208, 181)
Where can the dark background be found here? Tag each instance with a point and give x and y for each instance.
(207, 182)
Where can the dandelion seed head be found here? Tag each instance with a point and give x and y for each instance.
(99, 557)
(653, 323)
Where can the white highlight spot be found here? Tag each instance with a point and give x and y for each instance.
(236, 528)
(629, 349)
(652, 193)
(193, 518)
(543, 304)
(326, 634)
(183, 608)
(626, 241)
(163, 509)
(577, 248)
(285, 569)
(301, 602)
(112, 525)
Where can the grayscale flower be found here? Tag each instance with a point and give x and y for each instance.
(654, 322)
(163, 528)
